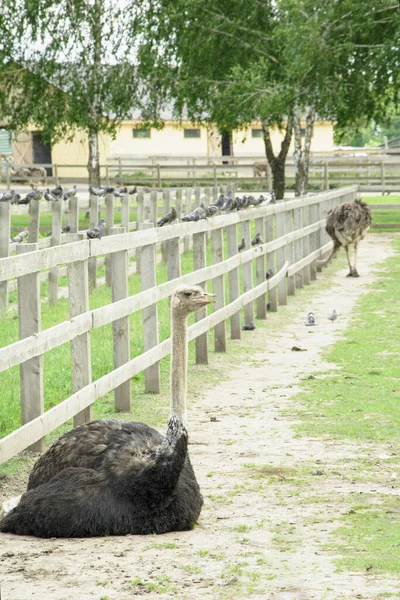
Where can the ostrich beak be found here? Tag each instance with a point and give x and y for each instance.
(203, 300)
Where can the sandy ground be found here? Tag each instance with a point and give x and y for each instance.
(258, 537)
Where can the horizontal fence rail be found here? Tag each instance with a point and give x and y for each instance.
(293, 238)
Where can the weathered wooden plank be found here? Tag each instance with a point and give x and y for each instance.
(289, 226)
(31, 371)
(166, 209)
(234, 292)
(78, 287)
(298, 246)
(150, 315)
(34, 221)
(271, 261)
(306, 246)
(56, 221)
(217, 248)
(281, 256)
(247, 272)
(199, 262)
(5, 224)
(121, 336)
(73, 214)
(125, 211)
(260, 272)
(313, 215)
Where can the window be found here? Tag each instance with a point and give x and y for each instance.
(191, 133)
(256, 133)
(141, 133)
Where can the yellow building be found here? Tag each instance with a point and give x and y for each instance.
(139, 147)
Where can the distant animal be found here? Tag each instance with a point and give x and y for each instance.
(97, 191)
(133, 190)
(347, 224)
(269, 274)
(268, 305)
(97, 232)
(242, 245)
(260, 167)
(249, 326)
(310, 320)
(118, 477)
(26, 174)
(168, 218)
(333, 316)
(56, 192)
(9, 196)
(66, 229)
(257, 240)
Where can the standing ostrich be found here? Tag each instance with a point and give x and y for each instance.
(114, 477)
(347, 224)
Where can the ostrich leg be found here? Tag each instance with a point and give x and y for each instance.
(355, 272)
(350, 273)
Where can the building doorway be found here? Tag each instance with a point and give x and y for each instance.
(226, 145)
(41, 151)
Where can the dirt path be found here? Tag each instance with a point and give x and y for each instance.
(258, 537)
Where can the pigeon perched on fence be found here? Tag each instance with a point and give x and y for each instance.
(133, 190)
(257, 240)
(242, 245)
(168, 218)
(98, 191)
(33, 195)
(96, 232)
(70, 193)
(57, 192)
(249, 326)
(49, 196)
(269, 274)
(66, 229)
(20, 237)
(332, 317)
(310, 320)
(9, 196)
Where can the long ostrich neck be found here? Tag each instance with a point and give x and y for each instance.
(179, 355)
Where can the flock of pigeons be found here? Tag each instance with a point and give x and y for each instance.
(58, 193)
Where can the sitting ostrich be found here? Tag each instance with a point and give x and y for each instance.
(347, 224)
(114, 477)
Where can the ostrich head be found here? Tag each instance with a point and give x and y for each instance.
(187, 299)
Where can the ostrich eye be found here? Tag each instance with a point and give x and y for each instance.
(188, 294)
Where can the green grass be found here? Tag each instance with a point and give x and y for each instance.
(360, 401)
(384, 216)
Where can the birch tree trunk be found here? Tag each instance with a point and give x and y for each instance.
(94, 159)
(277, 163)
(302, 152)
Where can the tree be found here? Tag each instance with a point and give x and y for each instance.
(232, 62)
(75, 68)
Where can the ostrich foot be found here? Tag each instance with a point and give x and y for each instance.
(353, 273)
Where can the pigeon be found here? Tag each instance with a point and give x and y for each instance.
(15, 199)
(249, 326)
(70, 193)
(211, 210)
(310, 321)
(66, 229)
(268, 306)
(269, 274)
(57, 192)
(242, 245)
(333, 316)
(123, 190)
(8, 196)
(257, 240)
(21, 236)
(220, 201)
(99, 191)
(168, 218)
(96, 232)
(133, 190)
(33, 195)
(49, 196)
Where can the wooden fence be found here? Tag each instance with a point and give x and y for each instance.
(295, 237)
(375, 172)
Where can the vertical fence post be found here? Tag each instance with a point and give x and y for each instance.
(5, 227)
(55, 171)
(78, 288)
(94, 219)
(313, 241)
(326, 176)
(34, 221)
(306, 245)
(188, 209)
(55, 241)
(174, 259)
(73, 218)
(153, 207)
(197, 195)
(139, 222)
(125, 214)
(199, 262)
(233, 277)
(109, 201)
(298, 246)
(149, 314)
(31, 371)
(166, 209)
(291, 281)
(217, 245)
(247, 272)
(280, 257)
(319, 233)
(260, 273)
(270, 235)
(178, 202)
(8, 175)
(120, 327)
